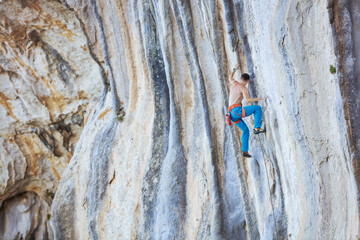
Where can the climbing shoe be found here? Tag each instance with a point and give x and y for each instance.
(259, 130)
(246, 155)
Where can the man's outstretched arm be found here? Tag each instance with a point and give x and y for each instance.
(247, 97)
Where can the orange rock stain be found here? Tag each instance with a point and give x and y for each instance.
(56, 173)
(101, 116)
(64, 31)
(7, 106)
(28, 146)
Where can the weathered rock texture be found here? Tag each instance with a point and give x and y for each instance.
(155, 159)
(48, 78)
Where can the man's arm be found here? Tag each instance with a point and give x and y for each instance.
(247, 97)
(231, 78)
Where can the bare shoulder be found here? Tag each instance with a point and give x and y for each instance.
(243, 88)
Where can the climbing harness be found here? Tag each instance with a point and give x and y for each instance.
(228, 115)
(267, 176)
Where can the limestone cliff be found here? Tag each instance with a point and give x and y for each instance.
(117, 108)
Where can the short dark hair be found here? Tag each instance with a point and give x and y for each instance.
(245, 77)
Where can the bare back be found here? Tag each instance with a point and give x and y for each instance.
(236, 93)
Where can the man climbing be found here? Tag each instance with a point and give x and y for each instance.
(239, 91)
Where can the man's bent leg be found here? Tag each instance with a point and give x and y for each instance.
(244, 136)
(256, 109)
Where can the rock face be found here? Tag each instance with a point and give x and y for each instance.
(145, 83)
(48, 78)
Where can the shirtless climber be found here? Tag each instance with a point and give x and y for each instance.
(238, 92)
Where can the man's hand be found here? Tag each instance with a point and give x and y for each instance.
(237, 66)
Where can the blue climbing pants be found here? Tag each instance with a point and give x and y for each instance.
(253, 109)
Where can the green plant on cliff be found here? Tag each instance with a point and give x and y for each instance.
(120, 114)
(332, 69)
(50, 194)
